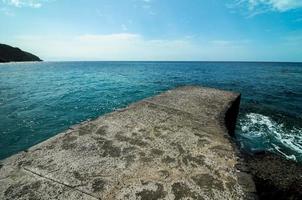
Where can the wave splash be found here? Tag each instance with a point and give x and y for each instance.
(258, 132)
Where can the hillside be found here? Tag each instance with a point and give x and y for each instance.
(13, 54)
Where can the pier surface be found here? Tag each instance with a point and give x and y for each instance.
(172, 146)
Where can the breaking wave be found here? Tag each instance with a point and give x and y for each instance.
(258, 132)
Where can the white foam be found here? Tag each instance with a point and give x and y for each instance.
(258, 125)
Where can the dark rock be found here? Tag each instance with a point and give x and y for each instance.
(276, 177)
(13, 54)
(231, 116)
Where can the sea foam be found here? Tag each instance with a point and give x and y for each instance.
(262, 132)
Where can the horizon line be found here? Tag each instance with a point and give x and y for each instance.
(251, 61)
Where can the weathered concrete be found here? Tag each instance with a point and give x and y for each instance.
(172, 146)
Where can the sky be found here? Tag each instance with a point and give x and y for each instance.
(180, 30)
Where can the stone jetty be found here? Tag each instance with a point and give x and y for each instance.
(176, 145)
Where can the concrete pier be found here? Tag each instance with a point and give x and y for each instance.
(172, 146)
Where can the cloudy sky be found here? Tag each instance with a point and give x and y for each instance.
(244, 30)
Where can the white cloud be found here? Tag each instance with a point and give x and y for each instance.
(227, 43)
(129, 46)
(25, 3)
(6, 11)
(265, 5)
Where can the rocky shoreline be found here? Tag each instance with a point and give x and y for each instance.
(275, 177)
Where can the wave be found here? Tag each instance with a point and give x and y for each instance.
(260, 132)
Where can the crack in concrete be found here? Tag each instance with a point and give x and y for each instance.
(58, 182)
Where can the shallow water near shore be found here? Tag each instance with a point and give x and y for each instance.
(39, 100)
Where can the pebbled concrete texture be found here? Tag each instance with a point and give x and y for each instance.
(172, 146)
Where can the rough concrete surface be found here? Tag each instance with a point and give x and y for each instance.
(172, 146)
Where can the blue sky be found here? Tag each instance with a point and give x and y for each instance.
(244, 30)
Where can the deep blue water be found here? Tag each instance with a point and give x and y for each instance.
(39, 100)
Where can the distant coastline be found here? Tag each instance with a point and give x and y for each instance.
(14, 54)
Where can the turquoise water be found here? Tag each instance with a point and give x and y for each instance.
(39, 100)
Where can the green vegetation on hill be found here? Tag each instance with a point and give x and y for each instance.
(13, 54)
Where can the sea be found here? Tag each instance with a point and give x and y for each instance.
(41, 99)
